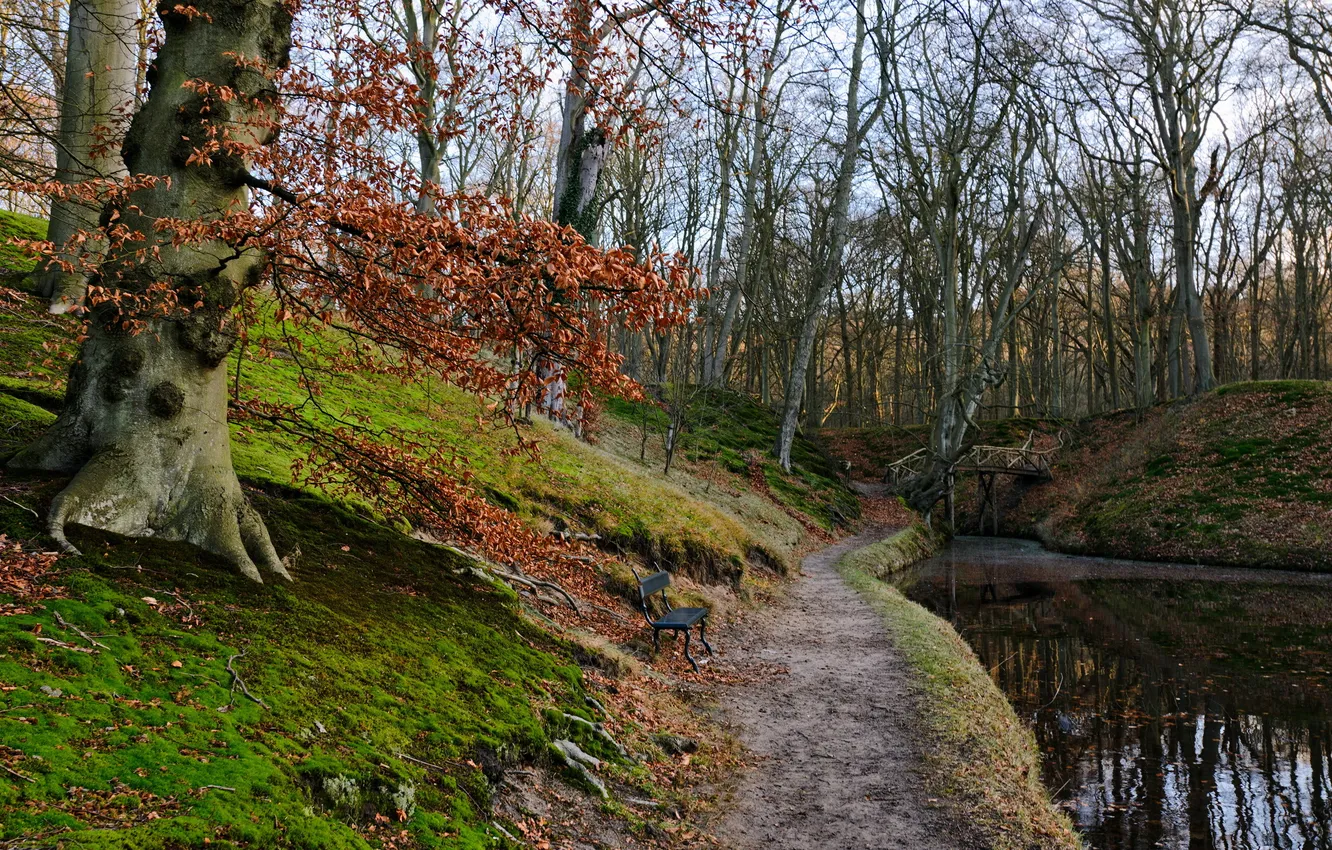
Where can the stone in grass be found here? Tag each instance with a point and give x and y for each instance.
(675, 745)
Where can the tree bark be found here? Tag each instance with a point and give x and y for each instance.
(101, 69)
(960, 402)
(828, 271)
(144, 426)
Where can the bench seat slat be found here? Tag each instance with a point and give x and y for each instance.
(681, 618)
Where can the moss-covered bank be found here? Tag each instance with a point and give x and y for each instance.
(1236, 477)
(1239, 477)
(367, 668)
(911, 545)
(982, 757)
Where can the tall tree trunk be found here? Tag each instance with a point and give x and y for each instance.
(958, 405)
(101, 70)
(828, 272)
(422, 41)
(1108, 319)
(899, 331)
(712, 344)
(851, 417)
(1185, 263)
(144, 426)
(1143, 305)
(582, 150)
(1173, 344)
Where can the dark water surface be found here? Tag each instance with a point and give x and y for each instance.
(1175, 706)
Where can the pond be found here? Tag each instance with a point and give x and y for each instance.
(1175, 706)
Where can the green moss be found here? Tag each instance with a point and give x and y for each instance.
(383, 648)
(18, 226)
(728, 428)
(1287, 391)
(1235, 449)
(905, 548)
(23, 422)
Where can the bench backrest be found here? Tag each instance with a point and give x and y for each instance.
(655, 583)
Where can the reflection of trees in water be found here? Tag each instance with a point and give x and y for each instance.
(1150, 750)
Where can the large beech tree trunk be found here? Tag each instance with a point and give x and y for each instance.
(144, 427)
(100, 72)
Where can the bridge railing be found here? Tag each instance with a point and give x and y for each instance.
(1023, 460)
(900, 470)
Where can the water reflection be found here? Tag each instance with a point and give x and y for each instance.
(1176, 707)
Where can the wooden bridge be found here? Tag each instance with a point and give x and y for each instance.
(987, 462)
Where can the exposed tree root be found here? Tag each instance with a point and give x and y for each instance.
(599, 730)
(578, 761)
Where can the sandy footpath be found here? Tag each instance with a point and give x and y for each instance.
(837, 757)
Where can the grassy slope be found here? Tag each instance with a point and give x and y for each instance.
(17, 226)
(360, 662)
(1238, 477)
(383, 649)
(983, 756)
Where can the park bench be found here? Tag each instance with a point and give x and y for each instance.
(675, 619)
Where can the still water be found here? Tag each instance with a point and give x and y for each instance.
(1176, 706)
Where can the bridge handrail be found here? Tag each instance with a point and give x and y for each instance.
(1022, 458)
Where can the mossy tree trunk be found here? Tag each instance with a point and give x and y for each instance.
(144, 427)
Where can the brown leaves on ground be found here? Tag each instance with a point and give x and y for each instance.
(119, 807)
(24, 576)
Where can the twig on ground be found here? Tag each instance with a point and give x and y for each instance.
(237, 681)
(81, 632)
(507, 834)
(13, 772)
(515, 576)
(428, 765)
(17, 505)
(63, 645)
(218, 787)
(577, 535)
(612, 612)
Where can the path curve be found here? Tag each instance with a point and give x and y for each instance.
(839, 759)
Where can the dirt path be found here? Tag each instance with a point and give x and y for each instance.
(839, 762)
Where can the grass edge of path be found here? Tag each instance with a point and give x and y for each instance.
(983, 756)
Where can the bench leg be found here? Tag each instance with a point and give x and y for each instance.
(656, 640)
(703, 635)
(692, 662)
